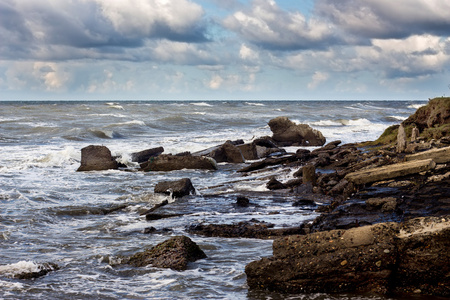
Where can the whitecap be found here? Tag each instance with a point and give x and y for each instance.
(416, 106)
(201, 104)
(254, 104)
(115, 105)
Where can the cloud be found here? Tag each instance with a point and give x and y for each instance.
(267, 25)
(317, 78)
(385, 19)
(75, 29)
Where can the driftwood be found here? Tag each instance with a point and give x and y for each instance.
(390, 171)
(440, 155)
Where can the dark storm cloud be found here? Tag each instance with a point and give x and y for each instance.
(33, 29)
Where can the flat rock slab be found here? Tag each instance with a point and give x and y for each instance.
(390, 171)
(440, 155)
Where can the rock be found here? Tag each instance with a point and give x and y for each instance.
(177, 189)
(401, 139)
(96, 158)
(227, 153)
(414, 134)
(145, 155)
(166, 162)
(390, 171)
(381, 258)
(309, 174)
(27, 270)
(439, 155)
(242, 201)
(287, 133)
(249, 151)
(388, 204)
(174, 253)
(154, 216)
(274, 184)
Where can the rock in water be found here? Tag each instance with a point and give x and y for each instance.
(178, 188)
(174, 253)
(175, 162)
(145, 155)
(228, 152)
(287, 133)
(96, 158)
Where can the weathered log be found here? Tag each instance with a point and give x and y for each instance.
(440, 155)
(390, 171)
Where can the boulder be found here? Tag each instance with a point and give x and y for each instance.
(274, 184)
(228, 152)
(287, 133)
(174, 253)
(381, 258)
(145, 155)
(249, 151)
(177, 189)
(96, 158)
(167, 162)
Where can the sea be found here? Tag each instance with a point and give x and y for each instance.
(86, 221)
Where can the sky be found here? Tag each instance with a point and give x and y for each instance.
(224, 49)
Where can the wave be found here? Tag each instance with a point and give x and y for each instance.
(254, 104)
(201, 104)
(416, 106)
(115, 105)
(105, 134)
(394, 118)
(342, 122)
(129, 123)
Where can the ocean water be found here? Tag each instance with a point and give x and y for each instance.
(51, 213)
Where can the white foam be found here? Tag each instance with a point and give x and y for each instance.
(115, 105)
(19, 268)
(201, 104)
(254, 104)
(416, 106)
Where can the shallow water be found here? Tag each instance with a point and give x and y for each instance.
(51, 213)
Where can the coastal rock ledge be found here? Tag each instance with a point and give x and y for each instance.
(386, 258)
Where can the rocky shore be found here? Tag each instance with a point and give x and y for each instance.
(384, 223)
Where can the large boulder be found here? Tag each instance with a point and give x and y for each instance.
(287, 133)
(174, 253)
(178, 188)
(167, 162)
(381, 258)
(228, 152)
(96, 158)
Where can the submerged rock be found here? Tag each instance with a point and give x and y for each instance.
(96, 158)
(287, 133)
(174, 253)
(27, 269)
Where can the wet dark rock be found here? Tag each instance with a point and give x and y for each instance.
(245, 229)
(274, 184)
(96, 158)
(166, 162)
(242, 201)
(258, 165)
(177, 189)
(145, 155)
(249, 151)
(174, 253)
(154, 216)
(381, 258)
(287, 133)
(153, 230)
(155, 207)
(303, 202)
